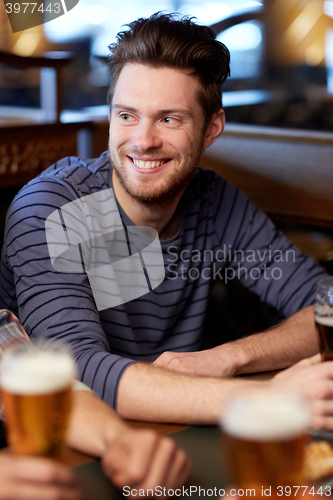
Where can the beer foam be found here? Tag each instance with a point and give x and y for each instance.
(323, 310)
(37, 373)
(324, 320)
(265, 419)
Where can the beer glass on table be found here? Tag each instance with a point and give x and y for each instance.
(324, 317)
(264, 436)
(36, 385)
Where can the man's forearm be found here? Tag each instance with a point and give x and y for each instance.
(154, 394)
(150, 393)
(282, 346)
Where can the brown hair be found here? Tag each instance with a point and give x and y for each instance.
(162, 40)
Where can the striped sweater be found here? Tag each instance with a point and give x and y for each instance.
(222, 235)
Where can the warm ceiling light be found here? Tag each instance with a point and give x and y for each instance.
(27, 43)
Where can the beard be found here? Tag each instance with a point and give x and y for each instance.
(166, 189)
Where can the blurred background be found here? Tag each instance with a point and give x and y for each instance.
(281, 55)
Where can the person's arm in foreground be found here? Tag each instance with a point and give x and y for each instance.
(130, 457)
(279, 347)
(173, 397)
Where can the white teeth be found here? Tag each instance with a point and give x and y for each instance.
(147, 164)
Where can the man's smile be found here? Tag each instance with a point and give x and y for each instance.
(148, 164)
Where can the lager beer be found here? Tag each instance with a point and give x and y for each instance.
(36, 395)
(324, 317)
(324, 325)
(264, 439)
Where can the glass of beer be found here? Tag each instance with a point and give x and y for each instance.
(36, 385)
(264, 436)
(324, 317)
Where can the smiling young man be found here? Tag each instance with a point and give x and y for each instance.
(142, 355)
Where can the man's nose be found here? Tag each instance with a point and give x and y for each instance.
(147, 136)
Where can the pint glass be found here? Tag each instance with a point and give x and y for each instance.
(263, 439)
(36, 383)
(324, 317)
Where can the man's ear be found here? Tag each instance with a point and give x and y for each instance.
(214, 129)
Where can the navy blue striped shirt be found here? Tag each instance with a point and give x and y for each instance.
(222, 234)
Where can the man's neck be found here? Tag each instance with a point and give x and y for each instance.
(164, 218)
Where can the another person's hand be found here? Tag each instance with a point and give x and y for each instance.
(312, 380)
(30, 478)
(141, 459)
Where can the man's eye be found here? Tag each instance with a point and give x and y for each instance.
(169, 119)
(126, 116)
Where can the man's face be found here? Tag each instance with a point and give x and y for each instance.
(156, 131)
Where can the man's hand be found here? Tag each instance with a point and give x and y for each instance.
(189, 363)
(274, 349)
(314, 381)
(36, 479)
(208, 363)
(142, 459)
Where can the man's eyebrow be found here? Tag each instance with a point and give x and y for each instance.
(160, 112)
(123, 106)
(172, 111)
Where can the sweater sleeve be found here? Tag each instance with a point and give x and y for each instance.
(52, 303)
